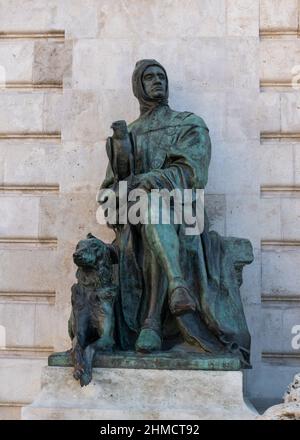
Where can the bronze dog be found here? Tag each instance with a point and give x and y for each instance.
(91, 324)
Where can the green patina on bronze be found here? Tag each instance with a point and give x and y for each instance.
(161, 361)
(162, 271)
(173, 289)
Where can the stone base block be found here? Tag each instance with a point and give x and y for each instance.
(123, 394)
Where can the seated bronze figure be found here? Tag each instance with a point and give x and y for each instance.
(173, 288)
(175, 291)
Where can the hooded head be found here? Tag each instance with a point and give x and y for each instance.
(147, 102)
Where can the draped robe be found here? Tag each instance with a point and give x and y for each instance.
(173, 150)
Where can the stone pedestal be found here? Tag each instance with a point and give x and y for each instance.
(124, 393)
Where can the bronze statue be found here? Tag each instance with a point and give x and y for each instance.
(173, 291)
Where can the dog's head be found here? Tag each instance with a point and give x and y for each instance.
(92, 250)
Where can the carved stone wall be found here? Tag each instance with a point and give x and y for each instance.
(67, 66)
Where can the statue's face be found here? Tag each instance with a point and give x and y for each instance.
(154, 82)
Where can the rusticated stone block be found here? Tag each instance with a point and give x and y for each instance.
(279, 14)
(52, 61)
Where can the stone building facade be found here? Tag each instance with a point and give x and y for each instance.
(65, 69)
